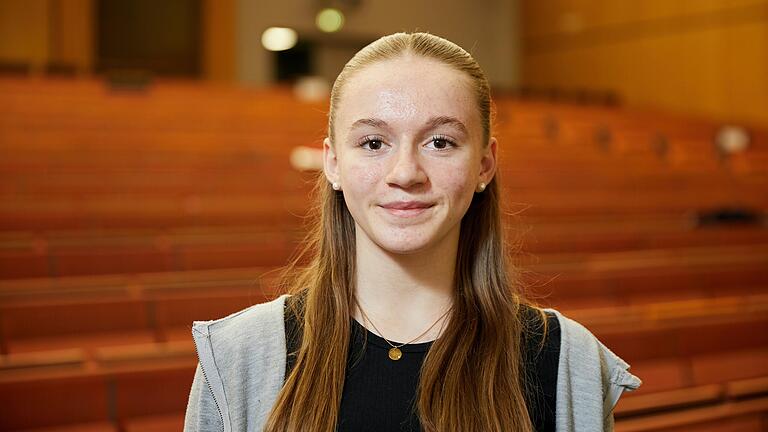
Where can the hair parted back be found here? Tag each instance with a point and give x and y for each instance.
(473, 376)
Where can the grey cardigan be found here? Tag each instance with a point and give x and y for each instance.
(242, 360)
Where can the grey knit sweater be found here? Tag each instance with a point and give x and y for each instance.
(242, 360)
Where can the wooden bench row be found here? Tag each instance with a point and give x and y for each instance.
(115, 380)
(38, 105)
(179, 95)
(270, 176)
(78, 149)
(122, 211)
(711, 372)
(147, 252)
(108, 396)
(749, 415)
(629, 270)
(168, 105)
(39, 313)
(573, 279)
(83, 252)
(121, 389)
(683, 382)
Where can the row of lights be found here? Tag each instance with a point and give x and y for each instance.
(329, 20)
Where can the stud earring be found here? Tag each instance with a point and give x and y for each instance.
(481, 186)
(336, 186)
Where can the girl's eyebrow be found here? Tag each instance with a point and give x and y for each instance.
(432, 123)
(377, 123)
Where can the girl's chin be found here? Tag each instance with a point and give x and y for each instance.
(403, 246)
(406, 240)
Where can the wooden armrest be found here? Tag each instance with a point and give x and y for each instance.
(747, 387)
(663, 400)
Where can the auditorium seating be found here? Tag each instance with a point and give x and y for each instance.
(126, 215)
(104, 251)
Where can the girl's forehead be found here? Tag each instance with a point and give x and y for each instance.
(407, 88)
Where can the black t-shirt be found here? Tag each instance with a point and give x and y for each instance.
(379, 393)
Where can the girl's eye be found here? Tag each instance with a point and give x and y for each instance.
(441, 143)
(371, 143)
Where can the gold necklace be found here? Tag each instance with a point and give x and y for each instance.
(394, 353)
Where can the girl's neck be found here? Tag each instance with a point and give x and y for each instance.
(403, 294)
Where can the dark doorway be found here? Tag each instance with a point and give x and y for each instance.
(295, 62)
(159, 37)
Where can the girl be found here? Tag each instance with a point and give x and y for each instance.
(406, 317)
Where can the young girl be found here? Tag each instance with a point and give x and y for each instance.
(406, 317)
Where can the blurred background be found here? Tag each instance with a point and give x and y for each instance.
(156, 160)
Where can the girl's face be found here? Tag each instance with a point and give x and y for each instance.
(408, 152)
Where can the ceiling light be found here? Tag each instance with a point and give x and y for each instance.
(279, 38)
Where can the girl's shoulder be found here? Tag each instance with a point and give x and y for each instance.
(261, 316)
(240, 370)
(591, 378)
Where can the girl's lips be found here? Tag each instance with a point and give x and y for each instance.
(406, 213)
(406, 205)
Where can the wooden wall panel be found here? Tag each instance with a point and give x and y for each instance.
(24, 32)
(72, 29)
(219, 63)
(705, 57)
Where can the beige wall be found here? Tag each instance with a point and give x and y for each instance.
(707, 57)
(482, 26)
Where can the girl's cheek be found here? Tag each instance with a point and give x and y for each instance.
(456, 175)
(364, 174)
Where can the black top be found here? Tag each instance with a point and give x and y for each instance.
(379, 393)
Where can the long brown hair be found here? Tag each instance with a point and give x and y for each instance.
(473, 376)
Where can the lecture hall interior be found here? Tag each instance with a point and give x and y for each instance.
(156, 162)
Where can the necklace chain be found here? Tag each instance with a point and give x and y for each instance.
(406, 343)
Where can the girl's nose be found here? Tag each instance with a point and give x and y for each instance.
(406, 170)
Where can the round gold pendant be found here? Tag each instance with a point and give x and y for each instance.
(395, 354)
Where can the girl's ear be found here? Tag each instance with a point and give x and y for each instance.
(488, 162)
(330, 162)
